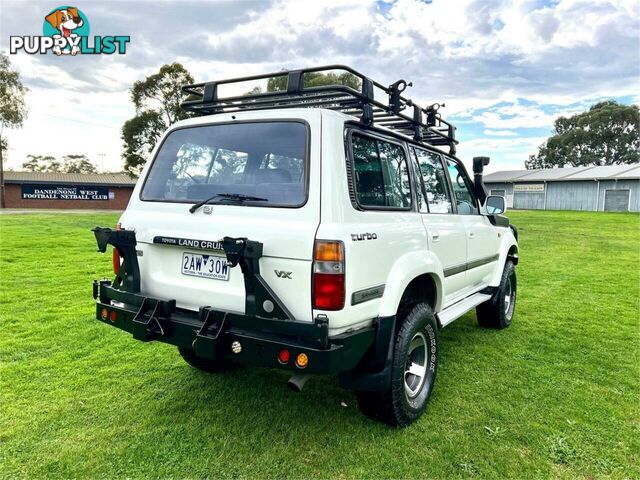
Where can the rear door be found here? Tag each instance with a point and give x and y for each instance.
(446, 232)
(258, 177)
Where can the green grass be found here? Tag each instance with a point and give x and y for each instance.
(555, 395)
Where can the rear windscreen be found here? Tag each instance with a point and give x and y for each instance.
(265, 160)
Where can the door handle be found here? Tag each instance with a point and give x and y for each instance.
(435, 236)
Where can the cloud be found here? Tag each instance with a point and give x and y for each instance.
(500, 133)
(503, 68)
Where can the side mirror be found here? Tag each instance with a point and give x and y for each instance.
(495, 205)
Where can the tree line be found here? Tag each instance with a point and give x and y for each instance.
(606, 134)
(69, 164)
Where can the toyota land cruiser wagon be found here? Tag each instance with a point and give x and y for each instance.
(320, 229)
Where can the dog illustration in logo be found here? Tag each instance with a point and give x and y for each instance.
(66, 20)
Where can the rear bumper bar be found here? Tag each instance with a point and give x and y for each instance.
(211, 333)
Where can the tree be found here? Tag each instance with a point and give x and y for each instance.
(313, 79)
(607, 134)
(77, 164)
(157, 99)
(13, 110)
(41, 163)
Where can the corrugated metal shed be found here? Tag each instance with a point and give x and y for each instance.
(111, 179)
(507, 175)
(568, 173)
(633, 172)
(596, 188)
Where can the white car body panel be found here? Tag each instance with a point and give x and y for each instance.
(407, 244)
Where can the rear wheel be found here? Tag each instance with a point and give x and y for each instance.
(204, 364)
(413, 371)
(498, 311)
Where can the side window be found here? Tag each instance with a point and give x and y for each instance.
(228, 166)
(461, 189)
(435, 181)
(289, 169)
(200, 165)
(381, 175)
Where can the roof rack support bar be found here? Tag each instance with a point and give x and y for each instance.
(417, 121)
(294, 81)
(452, 139)
(367, 108)
(210, 93)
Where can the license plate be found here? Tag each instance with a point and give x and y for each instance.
(205, 266)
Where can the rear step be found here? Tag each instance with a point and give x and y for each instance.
(457, 310)
(146, 324)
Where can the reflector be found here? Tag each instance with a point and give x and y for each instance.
(116, 261)
(284, 356)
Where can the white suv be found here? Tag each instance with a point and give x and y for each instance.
(333, 240)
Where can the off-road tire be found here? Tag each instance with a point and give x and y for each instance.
(204, 364)
(396, 406)
(497, 312)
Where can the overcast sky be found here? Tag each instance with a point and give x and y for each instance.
(504, 69)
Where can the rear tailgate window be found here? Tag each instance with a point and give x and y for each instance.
(266, 160)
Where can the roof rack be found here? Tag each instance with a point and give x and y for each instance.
(397, 113)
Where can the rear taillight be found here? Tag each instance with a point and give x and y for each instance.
(328, 275)
(117, 260)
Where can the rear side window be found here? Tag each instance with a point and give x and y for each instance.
(434, 179)
(381, 175)
(266, 160)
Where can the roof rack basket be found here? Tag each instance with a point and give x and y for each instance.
(398, 113)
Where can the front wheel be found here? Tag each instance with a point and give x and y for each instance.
(413, 371)
(497, 312)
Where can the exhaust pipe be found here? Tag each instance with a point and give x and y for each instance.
(297, 381)
(478, 167)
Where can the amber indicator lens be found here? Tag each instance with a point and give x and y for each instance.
(329, 251)
(302, 360)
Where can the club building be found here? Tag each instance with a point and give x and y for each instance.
(614, 188)
(67, 190)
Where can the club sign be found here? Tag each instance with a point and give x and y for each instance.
(64, 192)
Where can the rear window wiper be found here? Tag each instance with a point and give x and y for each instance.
(231, 196)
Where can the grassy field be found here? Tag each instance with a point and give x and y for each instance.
(555, 395)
